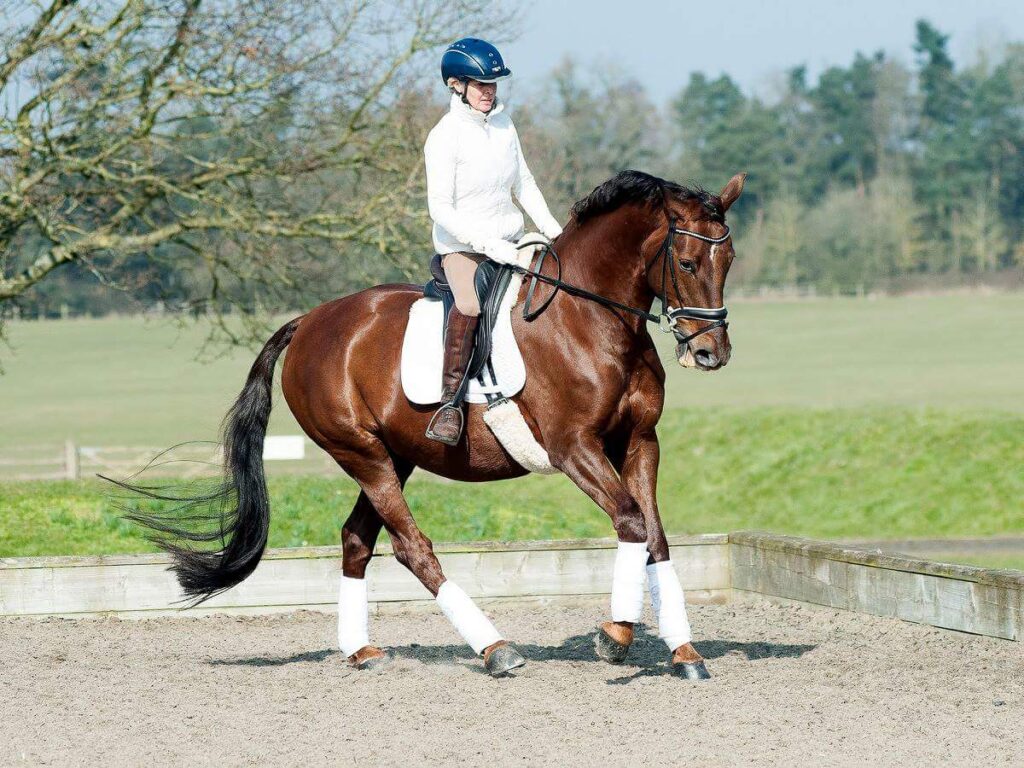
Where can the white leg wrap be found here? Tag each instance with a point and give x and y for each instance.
(353, 616)
(628, 581)
(468, 620)
(669, 604)
(652, 585)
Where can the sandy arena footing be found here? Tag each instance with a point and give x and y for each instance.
(792, 685)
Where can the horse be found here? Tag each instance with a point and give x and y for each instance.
(593, 397)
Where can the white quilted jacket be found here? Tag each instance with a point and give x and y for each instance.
(474, 165)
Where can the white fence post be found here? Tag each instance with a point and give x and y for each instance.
(71, 460)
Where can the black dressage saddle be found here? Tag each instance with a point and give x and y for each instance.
(491, 282)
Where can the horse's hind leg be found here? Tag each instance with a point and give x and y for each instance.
(358, 539)
(377, 475)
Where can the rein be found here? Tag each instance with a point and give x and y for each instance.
(668, 316)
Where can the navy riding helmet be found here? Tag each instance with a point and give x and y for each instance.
(473, 59)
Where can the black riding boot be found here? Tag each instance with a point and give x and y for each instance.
(446, 425)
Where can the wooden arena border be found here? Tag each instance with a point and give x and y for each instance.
(712, 568)
(983, 601)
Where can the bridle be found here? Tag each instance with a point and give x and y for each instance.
(668, 316)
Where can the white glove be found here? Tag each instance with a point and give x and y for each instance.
(501, 251)
(526, 254)
(533, 237)
(552, 230)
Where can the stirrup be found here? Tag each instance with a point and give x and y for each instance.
(432, 435)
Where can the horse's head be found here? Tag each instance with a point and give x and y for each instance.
(688, 258)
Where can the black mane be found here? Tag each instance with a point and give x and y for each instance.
(644, 189)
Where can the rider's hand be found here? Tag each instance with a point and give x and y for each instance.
(532, 237)
(552, 231)
(501, 251)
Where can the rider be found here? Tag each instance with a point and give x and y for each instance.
(474, 164)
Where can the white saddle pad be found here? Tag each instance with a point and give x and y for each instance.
(423, 350)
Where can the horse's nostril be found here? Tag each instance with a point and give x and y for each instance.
(705, 359)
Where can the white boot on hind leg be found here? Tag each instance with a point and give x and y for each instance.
(353, 625)
(477, 630)
(468, 620)
(353, 615)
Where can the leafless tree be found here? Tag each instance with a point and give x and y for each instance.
(232, 144)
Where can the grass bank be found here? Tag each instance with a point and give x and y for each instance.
(864, 473)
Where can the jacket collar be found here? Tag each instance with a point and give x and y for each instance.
(466, 112)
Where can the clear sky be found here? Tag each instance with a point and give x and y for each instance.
(662, 41)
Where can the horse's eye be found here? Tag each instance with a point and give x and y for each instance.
(689, 266)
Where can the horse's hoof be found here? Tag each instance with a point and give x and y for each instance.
(609, 649)
(502, 659)
(691, 670)
(368, 658)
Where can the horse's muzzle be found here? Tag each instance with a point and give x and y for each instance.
(703, 358)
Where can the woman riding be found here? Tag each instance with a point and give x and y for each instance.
(474, 165)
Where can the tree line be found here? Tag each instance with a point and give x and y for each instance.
(873, 172)
(230, 158)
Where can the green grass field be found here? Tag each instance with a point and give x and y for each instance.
(836, 418)
(135, 382)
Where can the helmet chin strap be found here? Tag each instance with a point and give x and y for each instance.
(465, 100)
(463, 92)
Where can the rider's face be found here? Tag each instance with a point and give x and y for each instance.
(481, 96)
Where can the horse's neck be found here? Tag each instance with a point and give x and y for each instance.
(603, 256)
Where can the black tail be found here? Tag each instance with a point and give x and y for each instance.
(237, 513)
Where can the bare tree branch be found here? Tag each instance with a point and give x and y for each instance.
(24, 48)
(220, 153)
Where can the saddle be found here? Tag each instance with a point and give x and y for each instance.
(491, 281)
(499, 372)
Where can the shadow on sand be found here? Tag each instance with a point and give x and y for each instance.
(647, 652)
(275, 661)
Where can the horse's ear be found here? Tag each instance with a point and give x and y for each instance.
(732, 190)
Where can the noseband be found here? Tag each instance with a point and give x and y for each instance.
(666, 320)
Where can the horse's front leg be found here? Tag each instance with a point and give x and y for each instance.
(640, 475)
(585, 463)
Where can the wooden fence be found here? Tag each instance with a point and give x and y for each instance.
(984, 601)
(72, 461)
(712, 567)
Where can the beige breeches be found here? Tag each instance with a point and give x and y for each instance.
(460, 269)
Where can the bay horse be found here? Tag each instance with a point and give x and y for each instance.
(592, 399)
